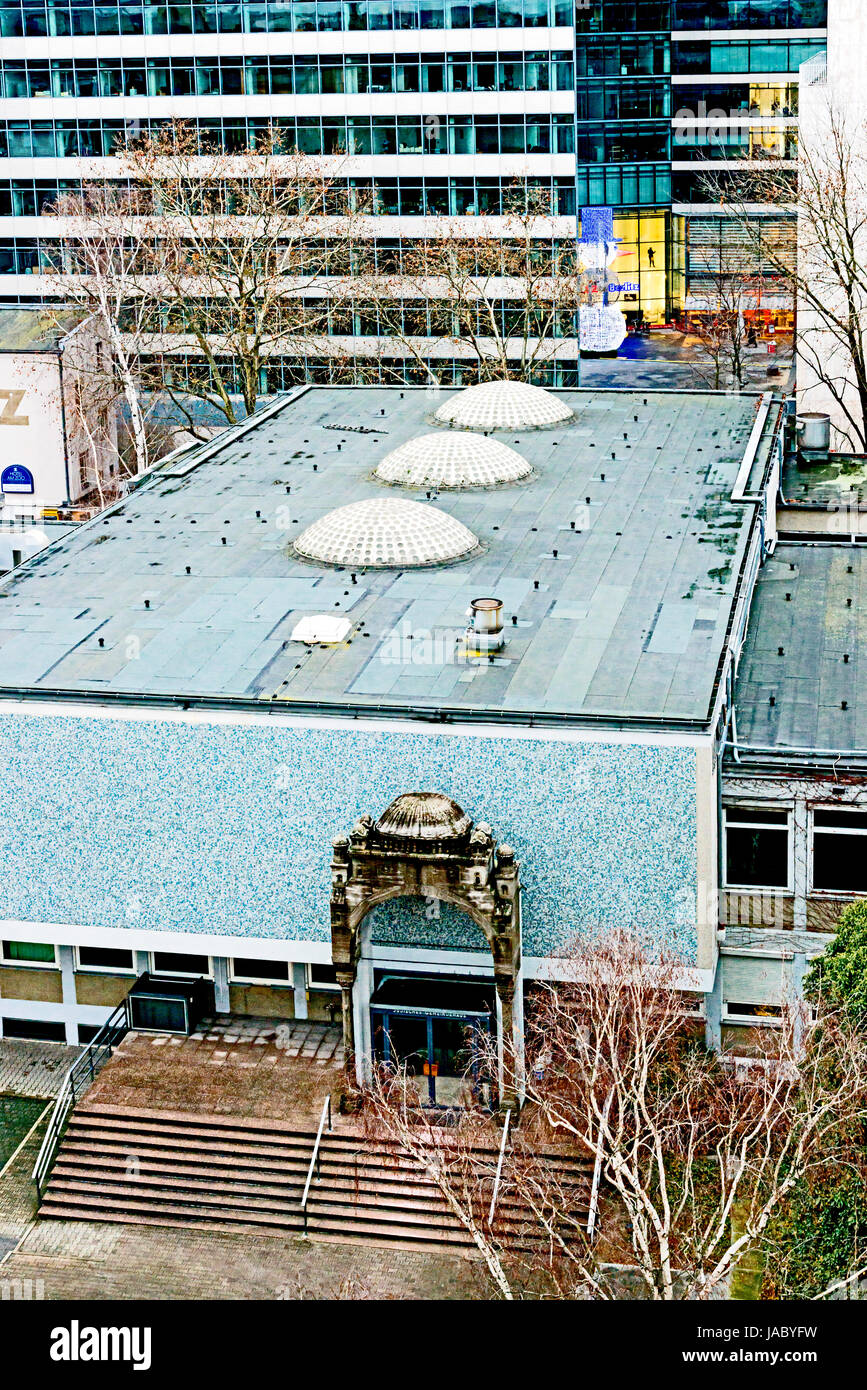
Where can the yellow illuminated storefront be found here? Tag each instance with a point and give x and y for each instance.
(636, 278)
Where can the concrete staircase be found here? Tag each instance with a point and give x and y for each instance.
(159, 1167)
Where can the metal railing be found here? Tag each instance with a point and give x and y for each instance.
(75, 1083)
(314, 1157)
(496, 1191)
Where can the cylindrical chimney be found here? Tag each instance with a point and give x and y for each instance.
(486, 633)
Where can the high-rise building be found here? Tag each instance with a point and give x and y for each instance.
(437, 105)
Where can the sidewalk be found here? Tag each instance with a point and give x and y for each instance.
(33, 1068)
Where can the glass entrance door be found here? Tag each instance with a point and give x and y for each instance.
(429, 1026)
(451, 1059)
(437, 1051)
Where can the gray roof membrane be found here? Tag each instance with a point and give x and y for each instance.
(617, 564)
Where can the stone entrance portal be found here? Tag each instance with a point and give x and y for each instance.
(424, 845)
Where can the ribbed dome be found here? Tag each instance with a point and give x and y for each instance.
(386, 533)
(423, 816)
(453, 461)
(503, 405)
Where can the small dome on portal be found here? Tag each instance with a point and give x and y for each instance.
(424, 816)
(503, 405)
(453, 461)
(386, 533)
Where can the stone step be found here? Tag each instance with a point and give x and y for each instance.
(111, 1202)
(242, 1173)
(408, 1194)
(392, 1238)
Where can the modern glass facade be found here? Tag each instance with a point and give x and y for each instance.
(624, 103)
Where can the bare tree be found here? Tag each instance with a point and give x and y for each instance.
(253, 248)
(829, 274)
(498, 290)
(693, 1153)
(103, 248)
(699, 1152)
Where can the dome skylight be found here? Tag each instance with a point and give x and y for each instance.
(386, 533)
(452, 461)
(503, 405)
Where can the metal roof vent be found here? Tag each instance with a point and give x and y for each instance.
(322, 628)
(503, 405)
(486, 632)
(386, 533)
(453, 461)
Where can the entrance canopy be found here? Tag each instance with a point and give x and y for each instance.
(401, 994)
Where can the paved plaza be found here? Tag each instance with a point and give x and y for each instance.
(33, 1068)
(259, 1067)
(91, 1260)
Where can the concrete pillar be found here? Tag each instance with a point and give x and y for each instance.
(797, 971)
(221, 984)
(346, 989)
(800, 835)
(361, 992)
(299, 988)
(141, 961)
(66, 957)
(713, 1012)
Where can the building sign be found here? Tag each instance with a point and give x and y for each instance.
(16, 478)
(597, 245)
(602, 328)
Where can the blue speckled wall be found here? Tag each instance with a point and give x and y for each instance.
(177, 826)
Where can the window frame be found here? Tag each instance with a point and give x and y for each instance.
(315, 985)
(236, 979)
(28, 964)
(83, 969)
(746, 807)
(181, 974)
(832, 830)
(752, 1020)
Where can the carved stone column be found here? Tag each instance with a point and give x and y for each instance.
(346, 982)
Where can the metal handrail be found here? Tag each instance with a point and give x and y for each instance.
(74, 1084)
(496, 1191)
(314, 1157)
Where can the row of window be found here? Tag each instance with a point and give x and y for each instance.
(623, 185)
(388, 197)
(701, 14)
(759, 849)
(626, 185)
(623, 143)
(615, 101)
(619, 16)
(736, 144)
(298, 75)
(623, 55)
(776, 99)
(35, 18)
(414, 318)
(755, 55)
(282, 373)
(114, 961)
(353, 135)
(749, 14)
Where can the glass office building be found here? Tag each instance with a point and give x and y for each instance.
(624, 103)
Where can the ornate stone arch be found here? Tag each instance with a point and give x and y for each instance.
(424, 845)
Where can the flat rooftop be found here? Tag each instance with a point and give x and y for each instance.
(627, 622)
(806, 651)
